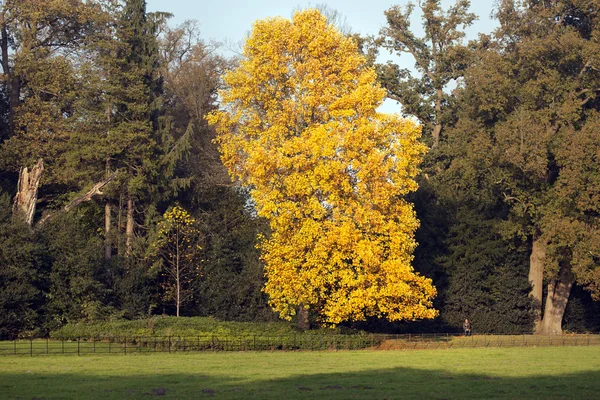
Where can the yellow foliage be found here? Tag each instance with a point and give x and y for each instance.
(299, 126)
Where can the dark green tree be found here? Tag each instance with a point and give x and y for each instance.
(529, 135)
(79, 280)
(24, 271)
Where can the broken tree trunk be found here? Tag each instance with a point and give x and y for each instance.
(26, 197)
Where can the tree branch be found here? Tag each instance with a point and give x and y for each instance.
(94, 191)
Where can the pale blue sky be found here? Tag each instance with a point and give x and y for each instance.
(229, 21)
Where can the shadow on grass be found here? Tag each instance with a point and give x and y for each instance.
(396, 383)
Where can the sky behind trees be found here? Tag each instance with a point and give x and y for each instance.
(230, 21)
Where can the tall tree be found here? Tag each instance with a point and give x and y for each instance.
(41, 44)
(535, 111)
(299, 127)
(138, 62)
(440, 58)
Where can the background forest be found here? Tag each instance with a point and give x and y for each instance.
(108, 168)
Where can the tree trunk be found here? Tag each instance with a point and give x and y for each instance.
(178, 272)
(557, 298)
(129, 226)
(107, 232)
(437, 130)
(303, 319)
(26, 197)
(107, 219)
(13, 83)
(536, 277)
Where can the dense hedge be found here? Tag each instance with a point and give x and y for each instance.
(182, 326)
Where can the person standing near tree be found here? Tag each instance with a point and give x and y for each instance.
(467, 327)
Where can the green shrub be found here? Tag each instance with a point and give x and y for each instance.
(182, 327)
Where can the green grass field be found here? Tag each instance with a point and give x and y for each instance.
(506, 373)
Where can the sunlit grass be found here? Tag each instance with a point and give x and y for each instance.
(483, 373)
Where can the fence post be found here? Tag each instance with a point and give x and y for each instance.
(47, 346)
(169, 344)
(78, 344)
(31, 346)
(63, 345)
(125, 348)
(15, 346)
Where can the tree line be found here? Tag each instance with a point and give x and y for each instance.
(114, 201)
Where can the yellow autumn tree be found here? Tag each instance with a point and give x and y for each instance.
(176, 247)
(299, 126)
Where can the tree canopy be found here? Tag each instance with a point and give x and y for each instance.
(299, 127)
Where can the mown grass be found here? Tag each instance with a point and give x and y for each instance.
(498, 373)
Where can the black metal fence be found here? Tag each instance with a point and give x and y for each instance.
(136, 344)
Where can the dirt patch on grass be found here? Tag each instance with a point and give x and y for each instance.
(159, 392)
(332, 387)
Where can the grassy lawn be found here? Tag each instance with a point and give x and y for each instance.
(483, 373)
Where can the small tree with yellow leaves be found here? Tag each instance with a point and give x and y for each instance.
(177, 246)
(299, 126)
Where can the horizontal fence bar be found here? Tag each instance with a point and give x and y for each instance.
(300, 342)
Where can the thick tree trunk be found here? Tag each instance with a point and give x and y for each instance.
(303, 318)
(129, 227)
(557, 298)
(26, 197)
(536, 277)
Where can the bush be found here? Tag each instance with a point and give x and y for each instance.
(181, 327)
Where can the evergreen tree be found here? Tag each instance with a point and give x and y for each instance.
(23, 277)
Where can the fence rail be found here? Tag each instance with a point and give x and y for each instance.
(138, 344)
